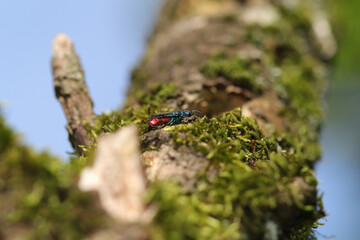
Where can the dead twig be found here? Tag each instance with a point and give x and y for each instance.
(71, 91)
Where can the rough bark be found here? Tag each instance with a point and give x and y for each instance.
(71, 91)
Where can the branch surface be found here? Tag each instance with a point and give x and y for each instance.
(71, 91)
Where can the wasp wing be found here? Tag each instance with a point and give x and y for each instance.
(165, 115)
(160, 115)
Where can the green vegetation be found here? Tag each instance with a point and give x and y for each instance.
(38, 194)
(259, 182)
(147, 103)
(265, 186)
(256, 186)
(240, 72)
(261, 179)
(345, 24)
(227, 138)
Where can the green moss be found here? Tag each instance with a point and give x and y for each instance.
(256, 185)
(253, 187)
(299, 17)
(41, 189)
(227, 138)
(38, 192)
(135, 111)
(179, 61)
(299, 84)
(229, 18)
(255, 192)
(303, 88)
(239, 72)
(138, 79)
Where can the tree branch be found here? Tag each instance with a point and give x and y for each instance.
(244, 171)
(71, 91)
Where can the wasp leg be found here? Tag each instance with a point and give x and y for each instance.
(172, 122)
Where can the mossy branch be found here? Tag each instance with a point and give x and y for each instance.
(245, 171)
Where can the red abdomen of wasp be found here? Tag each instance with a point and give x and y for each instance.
(158, 121)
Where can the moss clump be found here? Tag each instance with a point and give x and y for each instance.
(300, 83)
(240, 72)
(229, 137)
(183, 216)
(303, 90)
(38, 193)
(135, 111)
(138, 79)
(265, 185)
(255, 185)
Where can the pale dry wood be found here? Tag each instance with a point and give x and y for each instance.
(118, 176)
(71, 91)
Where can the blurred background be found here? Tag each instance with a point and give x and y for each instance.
(339, 170)
(110, 38)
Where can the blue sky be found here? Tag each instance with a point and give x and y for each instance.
(339, 170)
(110, 37)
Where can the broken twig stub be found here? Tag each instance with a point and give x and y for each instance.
(118, 176)
(71, 91)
